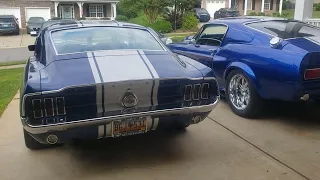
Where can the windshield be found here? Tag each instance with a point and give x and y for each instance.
(103, 38)
(5, 20)
(36, 20)
(286, 29)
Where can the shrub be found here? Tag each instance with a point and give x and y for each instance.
(177, 38)
(317, 7)
(161, 26)
(261, 14)
(285, 14)
(276, 14)
(252, 14)
(141, 20)
(190, 22)
(121, 18)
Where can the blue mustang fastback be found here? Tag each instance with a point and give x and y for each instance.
(103, 79)
(257, 59)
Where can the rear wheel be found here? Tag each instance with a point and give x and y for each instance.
(241, 95)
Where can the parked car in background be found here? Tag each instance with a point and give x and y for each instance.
(166, 40)
(226, 12)
(202, 14)
(34, 24)
(9, 25)
(109, 79)
(256, 59)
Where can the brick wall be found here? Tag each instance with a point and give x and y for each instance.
(24, 3)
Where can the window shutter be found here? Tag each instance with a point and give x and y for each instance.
(253, 4)
(271, 4)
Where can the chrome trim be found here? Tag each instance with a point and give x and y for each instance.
(184, 95)
(155, 123)
(194, 88)
(202, 90)
(45, 108)
(23, 112)
(88, 85)
(101, 131)
(64, 107)
(34, 115)
(68, 28)
(109, 130)
(105, 120)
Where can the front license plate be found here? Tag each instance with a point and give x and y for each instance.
(131, 126)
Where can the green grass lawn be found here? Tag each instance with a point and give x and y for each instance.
(12, 63)
(315, 14)
(9, 85)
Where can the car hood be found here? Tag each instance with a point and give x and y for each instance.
(114, 66)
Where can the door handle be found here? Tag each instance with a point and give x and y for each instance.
(196, 45)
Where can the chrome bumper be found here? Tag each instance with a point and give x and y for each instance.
(105, 120)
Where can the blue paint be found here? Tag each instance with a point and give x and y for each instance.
(275, 73)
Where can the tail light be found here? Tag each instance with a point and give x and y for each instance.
(61, 109)
(48, 107)
(37, 108)
(187, 92)
(205, 91)
(310, 74)
(197, 92)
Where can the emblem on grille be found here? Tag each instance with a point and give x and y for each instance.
(129, 100)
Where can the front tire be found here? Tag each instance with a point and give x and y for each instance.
(241, 95)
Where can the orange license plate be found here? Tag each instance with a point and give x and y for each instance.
(131, 126)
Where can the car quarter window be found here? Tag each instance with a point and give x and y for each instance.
(212, 35)
(103, 38)
(285, 29)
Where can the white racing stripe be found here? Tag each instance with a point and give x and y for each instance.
(155, 76)
(97, 80)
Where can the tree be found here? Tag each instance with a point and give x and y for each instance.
(151, 8)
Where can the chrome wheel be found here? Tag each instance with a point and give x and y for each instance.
(239, 92)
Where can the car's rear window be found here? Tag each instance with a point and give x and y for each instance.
(286, 29)
(5, 20)
(103, 38)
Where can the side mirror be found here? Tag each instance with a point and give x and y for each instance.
(32, 47)
(275, 42)
(33, 33)
(188, 38)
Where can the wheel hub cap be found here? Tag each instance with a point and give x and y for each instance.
(239, 92)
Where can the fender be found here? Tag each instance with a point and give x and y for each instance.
(246, 69)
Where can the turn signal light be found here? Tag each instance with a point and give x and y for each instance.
(310, 74)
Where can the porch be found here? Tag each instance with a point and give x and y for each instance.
(245, 7)
(98, 9)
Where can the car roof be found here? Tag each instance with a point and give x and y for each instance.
(58, 24)
(6, 16)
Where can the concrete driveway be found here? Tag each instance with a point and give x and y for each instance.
(22, 40)
(282, 145)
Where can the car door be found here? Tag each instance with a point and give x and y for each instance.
(206, 43)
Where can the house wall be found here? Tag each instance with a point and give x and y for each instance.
(106, 7)
(27, 3)
(257, 8)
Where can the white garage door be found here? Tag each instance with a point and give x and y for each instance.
(215, 5)
(11, 11)
(38, 12)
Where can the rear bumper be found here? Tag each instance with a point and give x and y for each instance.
(185, 111)
(9, 31)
